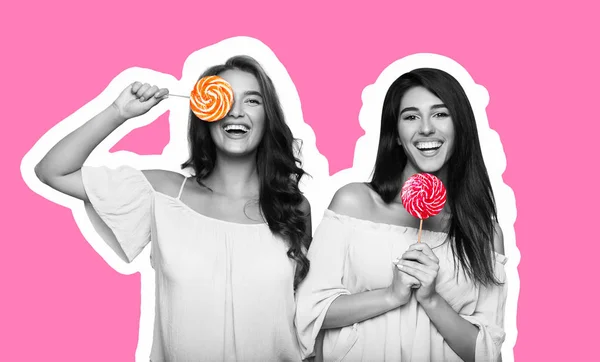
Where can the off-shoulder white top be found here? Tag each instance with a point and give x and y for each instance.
(350, 255)
(224, 290)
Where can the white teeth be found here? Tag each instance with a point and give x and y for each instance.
(239, 127)
(428, 145)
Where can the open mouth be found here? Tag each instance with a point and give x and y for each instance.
(236, 129)
(428, 146)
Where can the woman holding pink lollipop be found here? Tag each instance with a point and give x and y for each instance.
(373, 292)
(228, 244)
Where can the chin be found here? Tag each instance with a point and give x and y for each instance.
(433, 171)
(432, 166)
(236, 152)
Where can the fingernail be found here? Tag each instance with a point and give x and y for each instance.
(400, 266)
(141, 99)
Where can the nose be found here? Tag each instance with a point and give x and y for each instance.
(426, 126)
(236, 110)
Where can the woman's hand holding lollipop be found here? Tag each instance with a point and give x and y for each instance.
(420, 262)
(138, 99)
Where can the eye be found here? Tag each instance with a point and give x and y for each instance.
(441, 115)
(409, 117)
(253, 101)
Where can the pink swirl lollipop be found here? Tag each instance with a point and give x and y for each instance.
(423, 195)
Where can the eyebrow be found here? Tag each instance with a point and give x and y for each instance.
(252, 93)
(415, 109)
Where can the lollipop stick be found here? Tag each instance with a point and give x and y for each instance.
(420, 228)
(177, 95)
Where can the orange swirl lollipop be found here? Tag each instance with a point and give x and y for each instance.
(211, 98)
(423, 195)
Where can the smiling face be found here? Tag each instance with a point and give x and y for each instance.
(241, 131)
(426, 131)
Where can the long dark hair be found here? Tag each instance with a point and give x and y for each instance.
(278, 168)
(470, 196)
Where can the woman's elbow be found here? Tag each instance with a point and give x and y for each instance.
(41, 172)
(45, 175)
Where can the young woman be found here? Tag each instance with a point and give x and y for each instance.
(374, 292)
(228, 244)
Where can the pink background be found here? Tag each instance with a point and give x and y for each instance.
(61, 301)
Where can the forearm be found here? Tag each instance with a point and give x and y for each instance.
(353, 308)
(458, 333)
(69, 154)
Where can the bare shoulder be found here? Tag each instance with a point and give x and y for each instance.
(498, 239)
(163, 181)
(354, 199)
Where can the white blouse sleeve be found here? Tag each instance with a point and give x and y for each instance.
(123, 198)
(323, 284)
(489, 316)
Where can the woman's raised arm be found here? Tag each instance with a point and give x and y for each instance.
(61, 167)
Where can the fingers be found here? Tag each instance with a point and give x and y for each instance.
(405, 279)
(425, 274)
(145, 91)
(142, 91)
(410, 280)
(162, 93)
(135, 86)
(149, 93)
(425, 249)
(417, 274)
(419, 256)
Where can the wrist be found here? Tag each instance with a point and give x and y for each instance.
(395, 300)
(431, 302)
(115, 113)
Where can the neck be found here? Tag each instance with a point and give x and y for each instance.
(235, 176)
(409, 170)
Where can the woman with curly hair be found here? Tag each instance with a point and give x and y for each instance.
(228, 243)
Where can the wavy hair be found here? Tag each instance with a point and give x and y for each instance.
(470, 195)
(279, 169)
